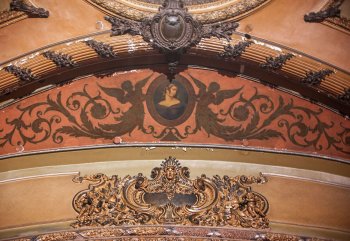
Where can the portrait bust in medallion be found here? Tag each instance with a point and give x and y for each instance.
(170, 103)
(170, 107)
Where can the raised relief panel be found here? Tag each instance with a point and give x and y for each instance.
(24, 74)
(167, 233)
(205, 11)
(172, 31)
(315, 78)
(171, 197)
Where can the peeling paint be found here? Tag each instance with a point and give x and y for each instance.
(131, 46)
(264, 44)
(150, 148)
(34, 55)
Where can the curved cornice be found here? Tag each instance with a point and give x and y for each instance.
(303, 74)
(210, 12)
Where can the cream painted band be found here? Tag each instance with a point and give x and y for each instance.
(127, 167)
(118, 154)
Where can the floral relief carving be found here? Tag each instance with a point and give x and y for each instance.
(171, 197)
(172, 31)
(168, 233)
(211, 11)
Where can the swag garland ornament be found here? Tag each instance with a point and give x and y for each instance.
(171, 197)
(172, 31)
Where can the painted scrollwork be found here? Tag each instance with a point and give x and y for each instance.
(171, 197)
(102, 114)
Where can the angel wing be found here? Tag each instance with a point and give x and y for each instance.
(225, 94)
(140, 84)
(117, 93)
(202, 87)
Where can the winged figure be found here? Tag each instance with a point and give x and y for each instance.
(132, 118)
(205, 117)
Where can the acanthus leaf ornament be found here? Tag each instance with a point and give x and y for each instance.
(277, 62)
(24, 74)
(31, 11)
(330, 12)
(172, 31)
(122, 26)
(221, 30)
(236, 50)
(171, 197)
(60, 60)
(314, 78)
(102, 49)
(345, 96)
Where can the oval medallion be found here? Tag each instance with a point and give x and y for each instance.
(172, 27)
(170, 104)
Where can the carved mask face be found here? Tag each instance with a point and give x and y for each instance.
(170, 173)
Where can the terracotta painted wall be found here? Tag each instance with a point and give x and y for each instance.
(204, 107)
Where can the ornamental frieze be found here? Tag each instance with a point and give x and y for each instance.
(171, 197)
(198, 106)
(205, 11)
(167, 233)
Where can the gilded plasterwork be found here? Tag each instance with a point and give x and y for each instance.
(167, 233)
(171, 197)
(208, 12)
